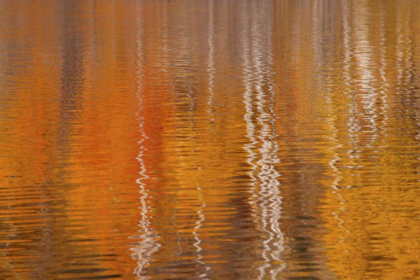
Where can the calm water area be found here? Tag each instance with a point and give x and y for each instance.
(209, 139)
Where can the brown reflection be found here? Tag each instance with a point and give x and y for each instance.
(26, 201)
(60, 128)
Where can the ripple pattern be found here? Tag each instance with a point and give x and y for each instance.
(252, 139)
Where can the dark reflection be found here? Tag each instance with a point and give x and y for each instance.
(71, 78)
(70, 46)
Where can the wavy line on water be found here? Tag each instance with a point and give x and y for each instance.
(148, 244)
(265, 193)
(199, 223)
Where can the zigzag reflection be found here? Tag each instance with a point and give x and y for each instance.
(266, 195)
(148, 244)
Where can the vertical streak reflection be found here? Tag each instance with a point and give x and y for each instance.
(211, 69)
(336, 158)
(199, 223)
(260, 119)
(147, 245)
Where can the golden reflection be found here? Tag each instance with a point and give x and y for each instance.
(209, 139)
(368, 175)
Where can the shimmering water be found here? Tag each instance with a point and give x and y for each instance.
(210, 139)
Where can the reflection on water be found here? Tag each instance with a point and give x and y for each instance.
(209, 139)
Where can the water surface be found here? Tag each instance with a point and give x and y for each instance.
(210, 139)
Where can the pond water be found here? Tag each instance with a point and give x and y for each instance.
(210, 139)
